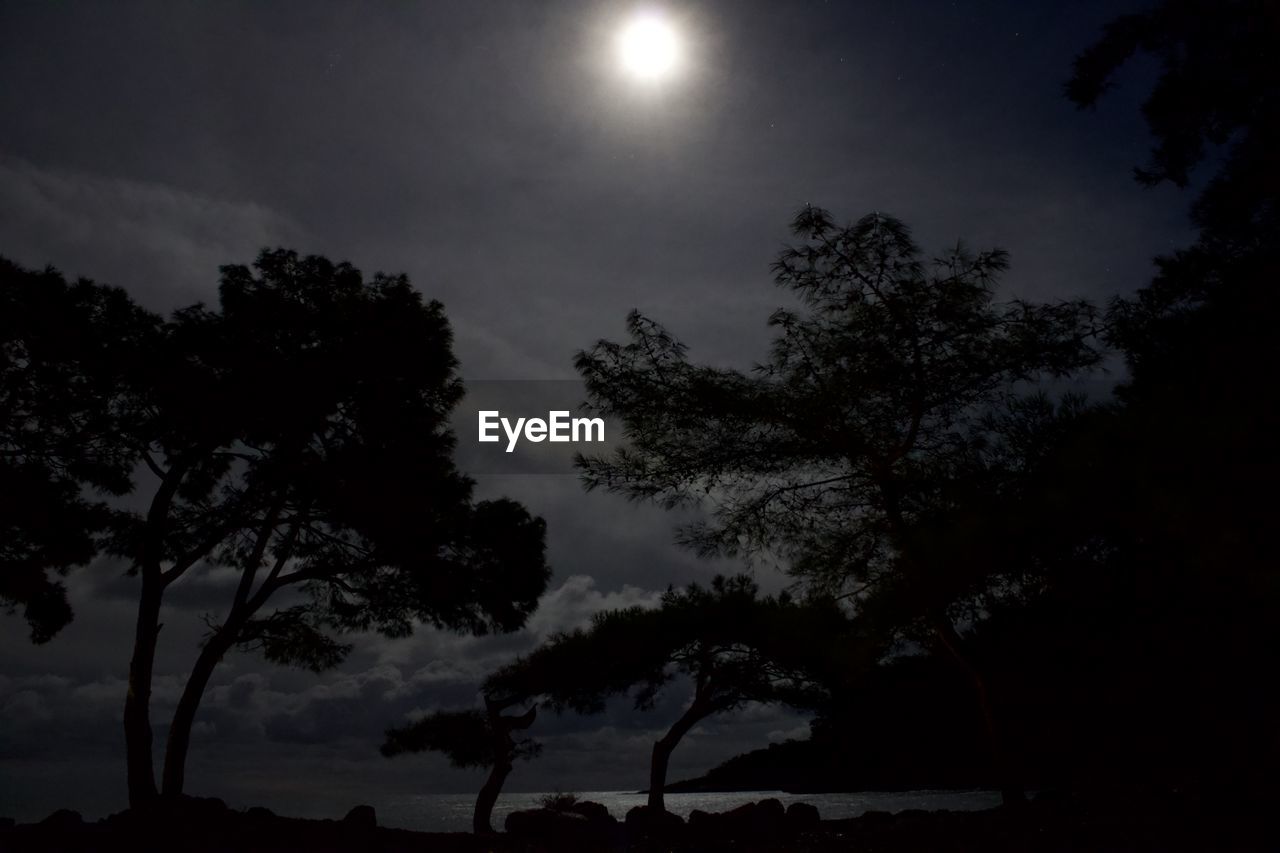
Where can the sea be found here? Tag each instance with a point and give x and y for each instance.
(452, 812)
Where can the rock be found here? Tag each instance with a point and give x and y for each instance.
(362, 816)
(563, 829)
(765, 818)
(527, 823)
(770, 812)
(662, 824)
(519, 822)
(772, 805)
(705, 827)
(186, 810)
(120, 821)
(63, 819)
(544, 822)
(803, 817)
(592, 811)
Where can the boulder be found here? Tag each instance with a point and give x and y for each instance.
(765, 819)
(661, 824)
(592, 811)
(362, 816)
(63, 819)
(875, 817)
(750, 820)
(770, 812)
(803, 817)
(188, 810)
(560, 829)
(259, 814)
(532, 823)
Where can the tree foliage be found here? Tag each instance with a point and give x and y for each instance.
(306, 423)
(859, 451)
(1215, 106)
(465, 737)
(731, 644)
(1191, 443)
(472, 739)
(68, 353)
(1218, 92)
(297, 434)
(877, 398)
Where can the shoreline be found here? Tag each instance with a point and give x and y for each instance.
(1155, 821)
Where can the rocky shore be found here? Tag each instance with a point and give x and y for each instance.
(1164, 823)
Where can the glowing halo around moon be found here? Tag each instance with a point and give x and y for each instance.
(648, 47)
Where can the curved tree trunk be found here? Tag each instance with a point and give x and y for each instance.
(1012, 790)
(139, 766)
(175, 753)
(662, 749)
(137, 704)
(503, 746)
(242, 608)
(658, 774)
(482, 818)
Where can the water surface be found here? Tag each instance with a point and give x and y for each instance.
(452, 812)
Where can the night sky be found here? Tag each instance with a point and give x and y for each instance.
(497, 154)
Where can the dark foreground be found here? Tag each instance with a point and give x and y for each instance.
(1151, 823)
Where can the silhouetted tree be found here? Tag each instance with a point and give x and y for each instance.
(302, 438)
(733, 644)
(1178, 477)
(67, 355)
(853, 434)
(1218, 92)
(299, 435)
(471, 739)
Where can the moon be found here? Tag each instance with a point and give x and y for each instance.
(648, 47)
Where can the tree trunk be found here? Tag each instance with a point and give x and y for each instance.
(503, 747)
(140, 768)
(482, 818)
(658, 774)
(175, 753)
(179, 742)
(662, 749)
(1012, 790)
(137, 704)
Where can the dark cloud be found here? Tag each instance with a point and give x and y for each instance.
(162, 243)
(279, 721)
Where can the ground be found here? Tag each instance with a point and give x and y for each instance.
(1168, 822)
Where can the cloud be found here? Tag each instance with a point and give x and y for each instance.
(574, 602)
(162, 243)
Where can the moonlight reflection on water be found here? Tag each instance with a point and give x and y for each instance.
(452, 812)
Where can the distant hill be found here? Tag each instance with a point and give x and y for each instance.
(807, 766)
(906, 726)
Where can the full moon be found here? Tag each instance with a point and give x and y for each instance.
(648, 47)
